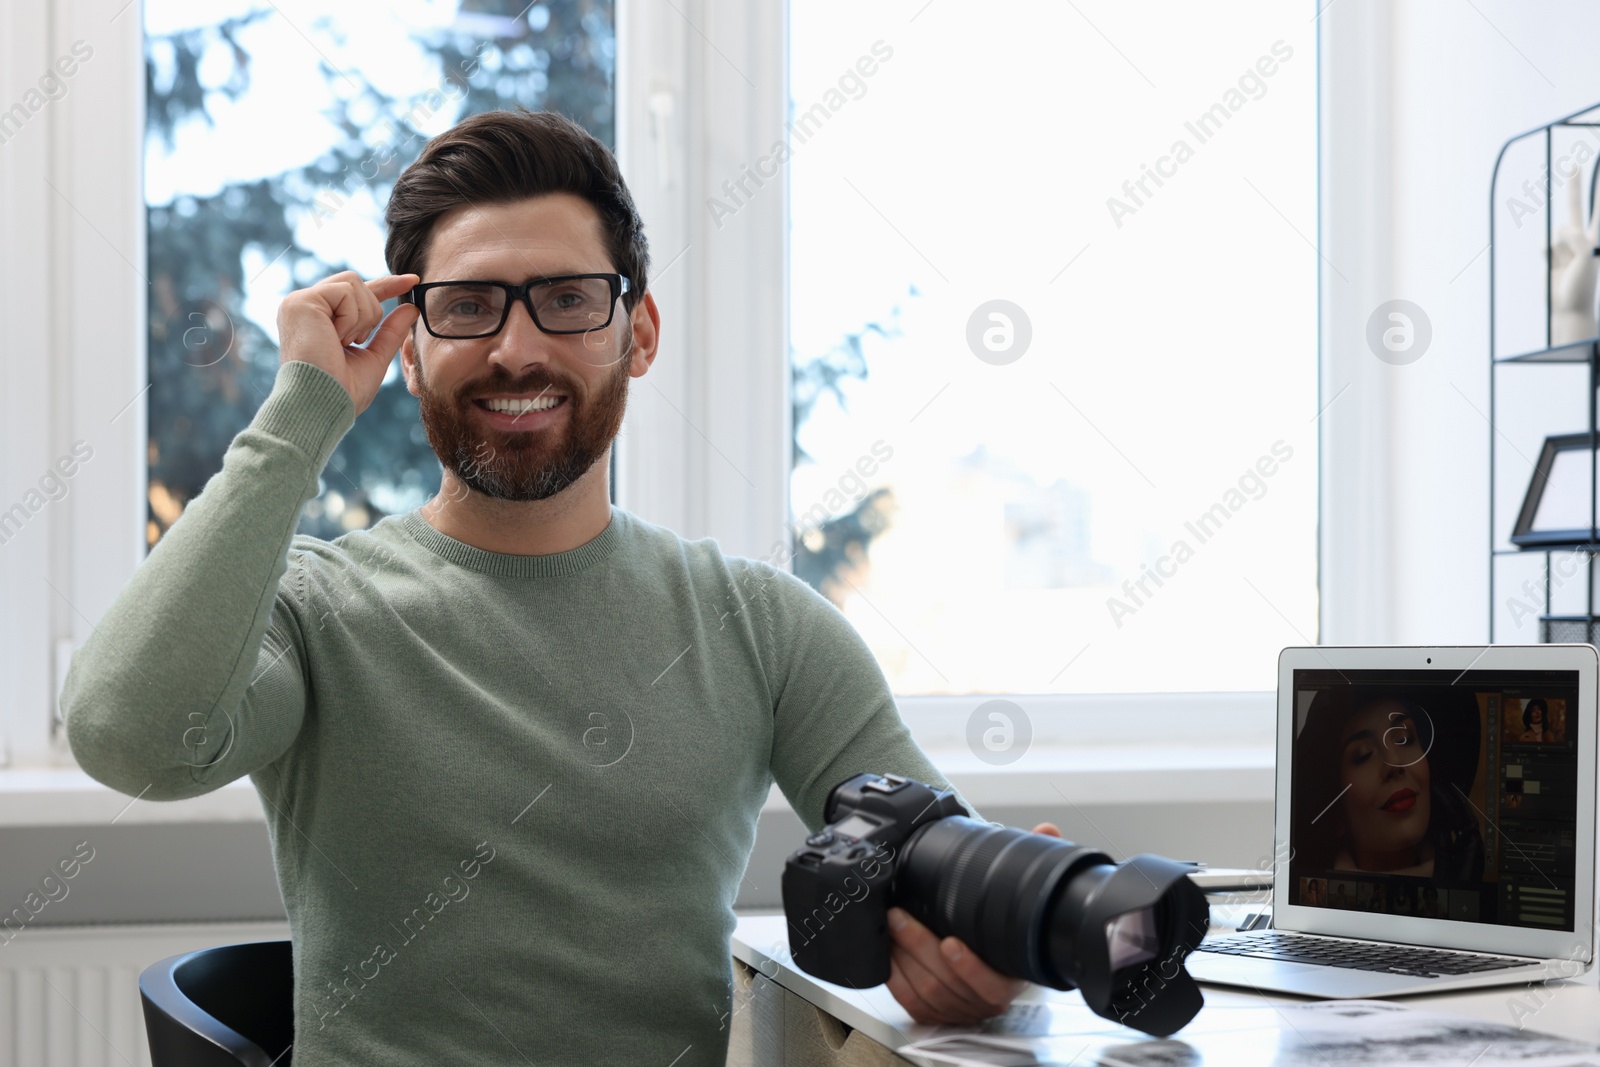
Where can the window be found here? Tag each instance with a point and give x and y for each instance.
(1054, 339)
(274, 134)
(1183, 335)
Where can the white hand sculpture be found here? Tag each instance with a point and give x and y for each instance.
(1574, 267)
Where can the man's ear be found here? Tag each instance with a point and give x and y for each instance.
(408, 360)
(646, 323)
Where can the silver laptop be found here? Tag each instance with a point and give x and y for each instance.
(1435, 823)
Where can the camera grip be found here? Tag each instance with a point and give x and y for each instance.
(838, 918)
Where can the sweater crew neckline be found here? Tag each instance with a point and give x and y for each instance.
(507, 565)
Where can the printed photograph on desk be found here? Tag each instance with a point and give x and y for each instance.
(1064, 1032)
(1451, 799)
(1370, 1032)
(1352, 1031)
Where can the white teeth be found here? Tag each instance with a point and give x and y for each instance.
(521, 407)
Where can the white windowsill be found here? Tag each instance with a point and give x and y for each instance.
(1087, 776)
(1214, 748)
(1094, 776)
(66, 796)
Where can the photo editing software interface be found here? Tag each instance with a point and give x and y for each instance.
(1436, 794)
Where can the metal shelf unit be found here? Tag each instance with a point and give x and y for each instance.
(1562, 562)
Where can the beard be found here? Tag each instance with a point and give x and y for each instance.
(522, 464)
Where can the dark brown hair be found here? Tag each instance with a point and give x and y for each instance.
(499, 156)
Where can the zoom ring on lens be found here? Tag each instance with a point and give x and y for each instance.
(962, 888)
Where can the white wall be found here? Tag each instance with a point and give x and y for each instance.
(1406, 216)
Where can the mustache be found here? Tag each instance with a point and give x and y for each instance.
(536, 383)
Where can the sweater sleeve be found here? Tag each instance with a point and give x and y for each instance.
(833, 714)
(196, 674)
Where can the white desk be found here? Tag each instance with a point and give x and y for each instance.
(783, 1016)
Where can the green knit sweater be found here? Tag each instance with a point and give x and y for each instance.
(510, 798)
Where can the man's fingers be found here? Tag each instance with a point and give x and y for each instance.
(357, 305)
(900, 987)
(392, 332)
(324, 324)
(351, 308)
(923, 962)
(994, 988)
(371, 296)
(918, 951)
(928, 991)
(942, 990)
(947, 974)
(908, 933)
(370, 313)
(391, 285)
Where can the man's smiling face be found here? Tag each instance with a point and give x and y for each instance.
(578, 383)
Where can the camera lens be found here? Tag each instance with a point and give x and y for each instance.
(1062, 915)
(1131, 938)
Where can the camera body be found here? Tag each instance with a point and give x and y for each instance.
(842, 880)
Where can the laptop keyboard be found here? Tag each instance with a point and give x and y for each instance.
(1358, 955)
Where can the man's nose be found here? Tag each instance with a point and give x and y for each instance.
(520, 343)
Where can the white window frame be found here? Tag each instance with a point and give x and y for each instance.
(702, 90)
(72, 241)
(1356, 514)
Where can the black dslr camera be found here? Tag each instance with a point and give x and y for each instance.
(1031, 906)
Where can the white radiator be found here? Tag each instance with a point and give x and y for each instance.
(69, 996)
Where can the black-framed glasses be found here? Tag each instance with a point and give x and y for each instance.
(567, 303)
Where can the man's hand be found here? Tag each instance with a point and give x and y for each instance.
(944, 981)
(323, 326)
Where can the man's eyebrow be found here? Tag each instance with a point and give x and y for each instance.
(563, 273)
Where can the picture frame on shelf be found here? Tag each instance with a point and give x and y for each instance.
(1558, 507)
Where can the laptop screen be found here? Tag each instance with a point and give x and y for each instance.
(1436, 794)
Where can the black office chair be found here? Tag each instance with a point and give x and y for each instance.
(221, 1007)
